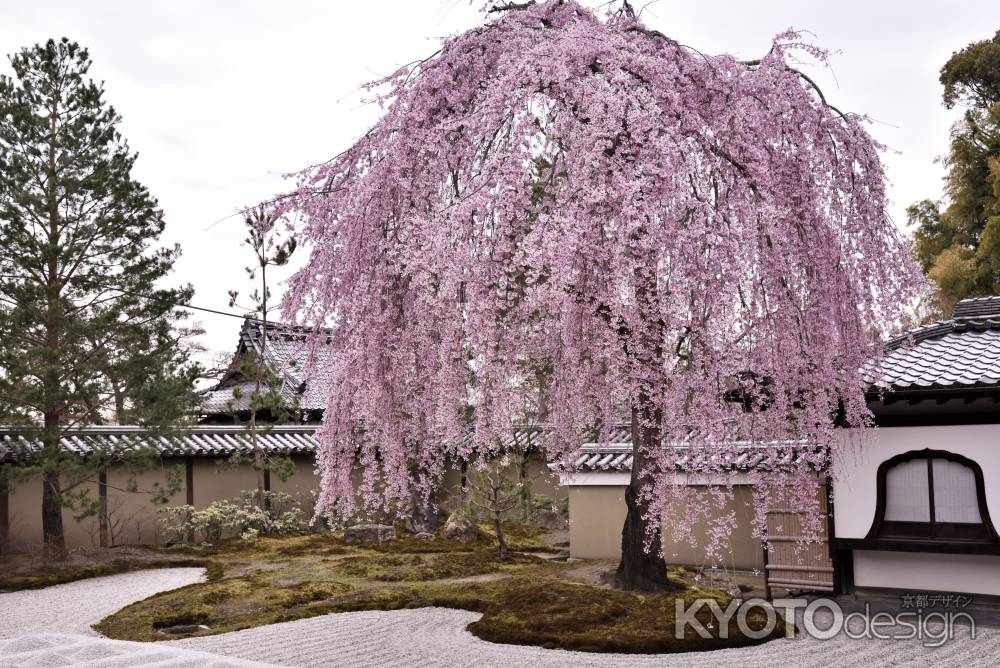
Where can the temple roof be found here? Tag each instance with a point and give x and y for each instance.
(289, 355)
(963, 352)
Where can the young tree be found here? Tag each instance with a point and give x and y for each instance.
(80, 318)
(958, 240)
(496, 489)
(656, 228)
(267, 396)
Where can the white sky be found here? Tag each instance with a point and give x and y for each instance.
(220, 98)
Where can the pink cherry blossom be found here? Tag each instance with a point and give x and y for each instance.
(561, 217)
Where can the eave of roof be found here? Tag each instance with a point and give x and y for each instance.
(119, 441)
(196, 441)
(614, 457)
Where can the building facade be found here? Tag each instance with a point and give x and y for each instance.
(912, 505)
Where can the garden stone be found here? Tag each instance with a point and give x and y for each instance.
(369, 533)
(549, 519)
(184, 629)
(460, 531)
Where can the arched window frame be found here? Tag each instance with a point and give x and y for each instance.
(991, 543)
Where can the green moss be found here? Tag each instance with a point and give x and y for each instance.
(57, 576)
(49, 575)
(422, 567)
(525, 600)
(225, 605)
(213, 570)
(519, 537)
(407, 544)
(579, 617)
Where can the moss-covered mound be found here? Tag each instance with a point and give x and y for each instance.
(575, 616)
(224, 605)
(524, 600)
(424, 567)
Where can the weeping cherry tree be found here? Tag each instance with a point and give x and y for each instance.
(575, 219)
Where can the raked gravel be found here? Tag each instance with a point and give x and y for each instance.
(39, 626)
(75, 606)
(42, 650)
(437, 637)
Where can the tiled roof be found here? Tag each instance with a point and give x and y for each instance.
(221, 398)
(197, 441)
(287, 352)
(963, 352)
(616, 456)
(605, 457)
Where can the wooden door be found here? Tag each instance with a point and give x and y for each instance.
(790, 563)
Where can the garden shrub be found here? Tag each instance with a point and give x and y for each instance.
(240, 516)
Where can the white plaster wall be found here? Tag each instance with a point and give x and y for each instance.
(854, 490)
(855, 497)
(917, 571)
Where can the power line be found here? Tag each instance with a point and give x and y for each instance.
(161, 300)
(188, 306)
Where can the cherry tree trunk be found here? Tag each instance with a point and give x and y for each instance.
(424, 514)
(641, 568)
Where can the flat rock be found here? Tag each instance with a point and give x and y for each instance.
(184, 629)
(369, 533)
(425, 535)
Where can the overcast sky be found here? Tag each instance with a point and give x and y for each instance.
(221, 98)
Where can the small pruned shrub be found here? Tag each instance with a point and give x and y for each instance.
(241, 516)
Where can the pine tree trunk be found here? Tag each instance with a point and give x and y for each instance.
(258, 463)
(4, 510)
(52, 520)
(52, 504)
(119, 404)
(52, 524)
(258, 458)
(641, 569)
(102, 508)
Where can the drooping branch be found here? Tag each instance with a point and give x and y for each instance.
(649, 32)
(802, 75)
(510, 6)
(645, 223)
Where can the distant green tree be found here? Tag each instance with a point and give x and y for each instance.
(86, 336)
(267, 399)
(958, 240)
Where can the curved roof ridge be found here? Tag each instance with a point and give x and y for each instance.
(960, 353)
(975, 314)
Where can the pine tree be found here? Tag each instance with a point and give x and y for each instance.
(84, 332)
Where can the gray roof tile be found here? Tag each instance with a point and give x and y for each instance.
(289, 354)
(199, 440)
(963, 352)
